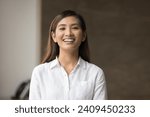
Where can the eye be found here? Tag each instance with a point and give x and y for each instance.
(76, 27)
(62, 28)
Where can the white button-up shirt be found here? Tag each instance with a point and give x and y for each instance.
(50, 81)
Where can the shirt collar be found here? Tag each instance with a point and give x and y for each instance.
(81, 63)
(55, 63)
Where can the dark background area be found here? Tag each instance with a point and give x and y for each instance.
(119, 38)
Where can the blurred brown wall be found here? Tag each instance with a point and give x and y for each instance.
(119, 37)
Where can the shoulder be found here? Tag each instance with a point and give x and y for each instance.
(97, 72)
(92, 67)
(39, 69)
(95, 68)
(43, 67)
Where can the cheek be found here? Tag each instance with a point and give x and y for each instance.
(58, 35)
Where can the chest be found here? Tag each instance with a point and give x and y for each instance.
(59, 85)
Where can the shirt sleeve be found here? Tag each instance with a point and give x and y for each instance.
(34, 93)
(100, 91)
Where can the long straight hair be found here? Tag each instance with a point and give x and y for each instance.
(52, 49)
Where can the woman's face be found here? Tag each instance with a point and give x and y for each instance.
(68, 34)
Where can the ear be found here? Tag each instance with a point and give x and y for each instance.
(54, 37)
(84, 37)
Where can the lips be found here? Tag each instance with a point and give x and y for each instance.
(69, 40)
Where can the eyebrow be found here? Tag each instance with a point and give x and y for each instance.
(75, 24)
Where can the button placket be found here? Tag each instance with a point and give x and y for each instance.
(66, 83)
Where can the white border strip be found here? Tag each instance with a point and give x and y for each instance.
(76, 108)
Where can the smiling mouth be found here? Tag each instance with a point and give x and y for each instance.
(69, 40)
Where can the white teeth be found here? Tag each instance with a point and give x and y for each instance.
(69, 40)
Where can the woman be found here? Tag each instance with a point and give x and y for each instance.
(66, 72)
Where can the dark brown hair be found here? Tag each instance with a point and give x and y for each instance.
(53, 48)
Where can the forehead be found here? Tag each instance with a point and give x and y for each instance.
(69, 21)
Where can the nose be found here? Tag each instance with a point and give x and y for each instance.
(68, 32)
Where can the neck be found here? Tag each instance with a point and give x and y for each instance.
(68, 60)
